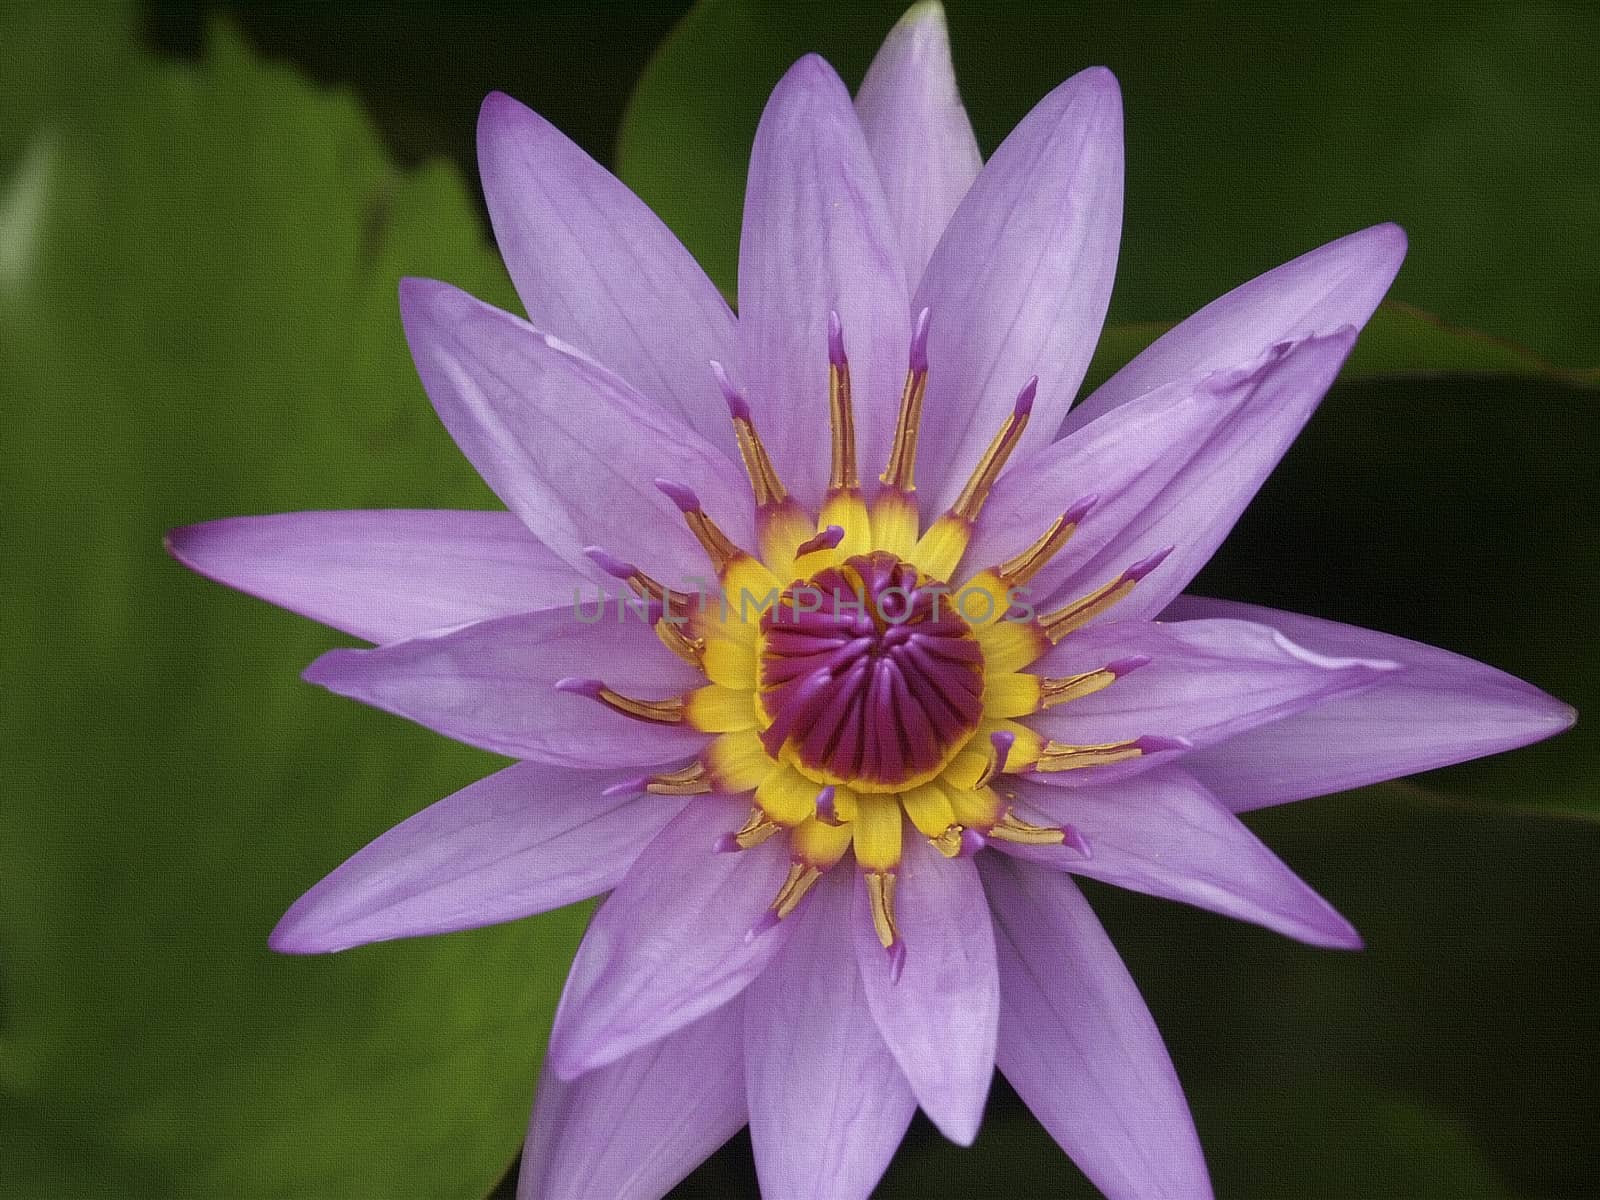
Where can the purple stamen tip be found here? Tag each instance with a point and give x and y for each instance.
(825, 811)
(1156, 744)
(769, 920)
(826, 540)
(654, 610)
(971, 842)
(580, 687)
(1002, 740)
(726, 844)
(1025, 396)
(1125, 666)
(736, 403)
(609, 562)
(1145, 565)
(919, 343)
(680, 494)
(1081, 509)
(1077, 841)
(835, 340)
(627, 787)
(897, 959)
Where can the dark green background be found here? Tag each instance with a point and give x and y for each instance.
(203, 212)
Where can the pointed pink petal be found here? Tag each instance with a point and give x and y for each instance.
(522, 841)
(818, 238)
(1333, 286)
(571, 448)
(632, 1130)
(1078, 1043)
(1206, 681)
(918, 132)
(596, 268)
(1019, 284)
(1439, 709)
(939, 1017)
(678, 938)
(828, 1104)
(493, 685)
(1164, 834)
(383, 574)
(1173, 469)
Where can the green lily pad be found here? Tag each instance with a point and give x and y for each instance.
(198, 319)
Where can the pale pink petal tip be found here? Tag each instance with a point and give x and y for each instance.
(737, 407)
(1145, 565)
(580, 687)
(768, 922)
(828, 539)
(919, 342)
(1081, 509)
(896, 951)
(1126, 666)
(1026, 396)
(609, 563)
(1157, 744)
(680, 494)
(1002, 740)
(835, 340)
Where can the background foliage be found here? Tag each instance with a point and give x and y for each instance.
(201, 226)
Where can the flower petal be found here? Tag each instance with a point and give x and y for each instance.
(598, 269)
(818, 238)
(1173, 469)
(939, 1018)
(918, 132)
(522, 841)
(1165, 834)
(1019, 284)
(632, 1130)
(1332, 286)
(673, 942)
(1206, 681)
(492, 685)
(1079, 1045)
(1440, 709)
(382, 574)
(828, 1103)
(572, 449)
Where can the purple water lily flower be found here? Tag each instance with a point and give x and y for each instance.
(838, 795)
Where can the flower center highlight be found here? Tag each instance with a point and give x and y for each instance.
(870, 675)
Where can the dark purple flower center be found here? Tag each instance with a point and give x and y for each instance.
(871, 676)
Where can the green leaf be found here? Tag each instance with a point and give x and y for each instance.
(197, 319)
(1246, 145)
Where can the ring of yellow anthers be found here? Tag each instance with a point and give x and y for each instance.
(957, 805)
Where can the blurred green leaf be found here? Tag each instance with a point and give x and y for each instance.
(197, 319)
(1247, 144)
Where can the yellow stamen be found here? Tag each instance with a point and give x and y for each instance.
(846, 509)
(758, 827)
(877, 830)
(692, 780)
(1012, 694)
(1057, 756)
(895, 523)
(929, 809)
(841, 414)
(1020, 568)
(818, 843)
(940, 549)
(802, 878)
(1064, 620)
(880, 893)
(1072, 687)
(1010, 828)
(662, 712)
(900, 474)
(970, 503)
(738, 762)
(787, 796)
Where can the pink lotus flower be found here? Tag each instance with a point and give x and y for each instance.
(839, 837)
